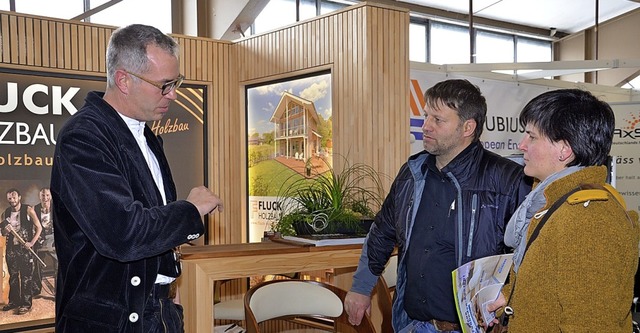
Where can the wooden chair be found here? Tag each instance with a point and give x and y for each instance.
(233, 309)
(385, 288)
(227, 309)
(294, 299)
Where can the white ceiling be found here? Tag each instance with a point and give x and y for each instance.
(567, 16)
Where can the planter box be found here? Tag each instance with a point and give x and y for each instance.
(358, 229)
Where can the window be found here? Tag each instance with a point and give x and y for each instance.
(276, 14)
(633, 84)
(308, 9)
(449, 44)
(121, 14)
(445, 43)
(494, 47)
(327, 6)
(418, 44)
(49, 8)
(279, 13)
(129, 12)
(532, 50)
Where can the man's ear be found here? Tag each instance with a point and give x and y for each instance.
(123, 81)
(469, 127)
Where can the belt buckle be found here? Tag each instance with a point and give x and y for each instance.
(173, 289)
(435, 322)
(177, 252)
(435, 325)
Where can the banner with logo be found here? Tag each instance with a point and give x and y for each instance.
(33, 108)
(626, 150)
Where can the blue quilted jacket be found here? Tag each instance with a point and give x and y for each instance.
(489, 188)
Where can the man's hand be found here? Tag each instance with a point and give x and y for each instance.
(204, 200)
(355, 305)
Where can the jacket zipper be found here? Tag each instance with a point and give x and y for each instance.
(474, 206)
(459, 242)
(407, 220)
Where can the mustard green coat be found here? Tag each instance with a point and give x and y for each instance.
(578, 275)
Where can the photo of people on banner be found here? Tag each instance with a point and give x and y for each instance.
(27, 228)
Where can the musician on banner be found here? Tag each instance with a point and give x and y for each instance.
(21, 226)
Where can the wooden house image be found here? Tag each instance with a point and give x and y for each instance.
(296, 128)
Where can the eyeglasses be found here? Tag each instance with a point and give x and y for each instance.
(166, 87)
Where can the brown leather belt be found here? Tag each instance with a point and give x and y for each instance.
(441, 325)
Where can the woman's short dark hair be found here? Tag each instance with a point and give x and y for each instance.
(577, 117)
(462, 96)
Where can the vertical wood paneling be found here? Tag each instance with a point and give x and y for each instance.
(37, 41)
(22, 40)
(52, 57)
(64, 52)
(193, 60)
(59, 49)
(89, 37)
(103, 38)
(13, 39)
(44, 33)
(5, 42)
(387, 77)
(75, 52)
(30, 43)
(46, 43)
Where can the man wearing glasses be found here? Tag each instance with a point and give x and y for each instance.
(117, 219)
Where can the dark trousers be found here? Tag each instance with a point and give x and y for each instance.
(24, 275)
(161, 314)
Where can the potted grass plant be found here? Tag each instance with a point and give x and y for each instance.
(331, 201)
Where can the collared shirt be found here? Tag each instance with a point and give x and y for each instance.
(431, 254)
(137, 129)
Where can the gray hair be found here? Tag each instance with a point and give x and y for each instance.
(127, 49)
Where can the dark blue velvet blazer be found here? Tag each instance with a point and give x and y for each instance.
(113, 235)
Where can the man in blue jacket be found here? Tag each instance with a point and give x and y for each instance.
(117, 218)
(448, 205)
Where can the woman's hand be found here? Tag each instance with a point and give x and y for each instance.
(495, 305)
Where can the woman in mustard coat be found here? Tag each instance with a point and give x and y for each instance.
(577, 274)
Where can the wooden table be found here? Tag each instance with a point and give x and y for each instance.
(202, 265)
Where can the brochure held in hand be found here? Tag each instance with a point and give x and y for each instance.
(476, 284)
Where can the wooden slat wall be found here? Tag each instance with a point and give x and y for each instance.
(51, 44)
(213, 63)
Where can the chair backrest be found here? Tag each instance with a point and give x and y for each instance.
(233, 309)
(386, 284)
(390, 273)
(226, 309)
(285, 299)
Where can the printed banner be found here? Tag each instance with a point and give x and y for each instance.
(289, 136)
